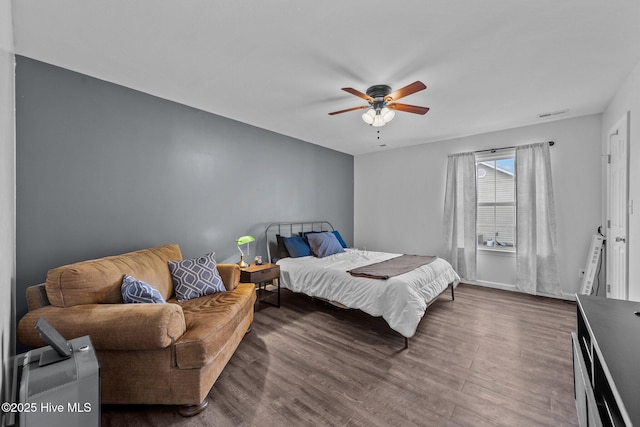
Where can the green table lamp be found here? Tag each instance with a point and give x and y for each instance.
(244, 240)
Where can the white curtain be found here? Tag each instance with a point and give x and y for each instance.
(536, 248)
(460, 214)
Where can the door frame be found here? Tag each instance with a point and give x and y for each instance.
(621, 125)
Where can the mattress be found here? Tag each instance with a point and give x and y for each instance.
(400, 300)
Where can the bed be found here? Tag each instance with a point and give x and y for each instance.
(401, 300)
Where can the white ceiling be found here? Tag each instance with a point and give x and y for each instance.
(280, 64)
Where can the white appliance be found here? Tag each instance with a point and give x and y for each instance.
(60, 391)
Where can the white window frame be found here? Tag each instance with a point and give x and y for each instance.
(509, 153)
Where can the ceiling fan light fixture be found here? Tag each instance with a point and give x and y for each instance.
(382, 103)
(369, 116)
(378, 120)
(387, 114)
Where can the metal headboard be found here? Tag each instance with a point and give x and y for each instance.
(290, 229)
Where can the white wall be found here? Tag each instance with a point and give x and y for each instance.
(399, 194)
(7, 194)
(628, 99)
(496, 269)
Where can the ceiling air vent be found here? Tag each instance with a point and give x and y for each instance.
(551, 114)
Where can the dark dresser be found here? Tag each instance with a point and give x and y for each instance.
(606, 362)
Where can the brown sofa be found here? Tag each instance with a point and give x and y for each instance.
(148, 353)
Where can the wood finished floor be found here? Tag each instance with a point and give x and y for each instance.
(489, 358)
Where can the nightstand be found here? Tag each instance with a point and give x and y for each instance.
(263, 275)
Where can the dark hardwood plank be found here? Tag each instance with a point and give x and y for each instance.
(489, 358)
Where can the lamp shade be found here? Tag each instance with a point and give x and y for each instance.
(378, 116)
(369, 115)
(245, 239)
(387, 114)
(378, 121)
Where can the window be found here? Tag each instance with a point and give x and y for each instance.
(496, 191)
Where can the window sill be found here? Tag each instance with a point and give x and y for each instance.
(511, 252)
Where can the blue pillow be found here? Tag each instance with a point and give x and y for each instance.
(137, 291)
(297, 247)
(324, 244)
(340, 239)
(195, 277)
(304, 234)
(335, 232)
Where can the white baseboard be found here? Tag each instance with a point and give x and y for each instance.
(512, 288)
(495, 285)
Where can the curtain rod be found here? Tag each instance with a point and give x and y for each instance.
(493, 150)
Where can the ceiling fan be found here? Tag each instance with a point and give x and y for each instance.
(382, 105)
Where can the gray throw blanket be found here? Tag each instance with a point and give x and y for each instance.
(392, 267)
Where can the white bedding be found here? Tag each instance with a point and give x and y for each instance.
(400, 300)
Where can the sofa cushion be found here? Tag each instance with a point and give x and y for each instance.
(211, 321)
(137, 291)
(98, 281)
(197, 277)
(230, 274)
(110, 326)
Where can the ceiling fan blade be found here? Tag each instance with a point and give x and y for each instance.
(414, 87)
(408, 108)
(349, 109)
(357, 93)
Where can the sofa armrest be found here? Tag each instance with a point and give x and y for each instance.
(110, 326)
(230, 274)
(37, 297)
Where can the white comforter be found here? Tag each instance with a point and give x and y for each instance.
(400, 300)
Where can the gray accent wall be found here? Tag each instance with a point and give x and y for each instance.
(103, 169)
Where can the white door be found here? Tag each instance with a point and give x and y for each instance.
(617, 210)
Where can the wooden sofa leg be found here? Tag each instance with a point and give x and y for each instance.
(191, 410)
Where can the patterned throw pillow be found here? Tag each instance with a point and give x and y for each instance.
(195, 277)
(137, 291)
